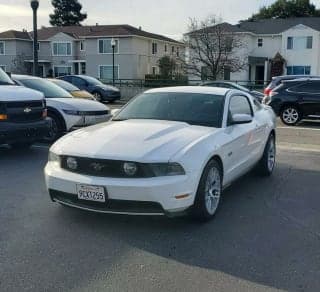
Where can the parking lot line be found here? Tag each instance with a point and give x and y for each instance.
(299, 128)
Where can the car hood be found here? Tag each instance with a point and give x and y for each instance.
(82, 94)
(79, 104)
(132, 140)
(18, 93)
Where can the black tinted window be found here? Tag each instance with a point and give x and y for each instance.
(192, 108)
(240, 105)
(308, 87)
(78, 82)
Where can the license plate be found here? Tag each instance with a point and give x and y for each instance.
(91, 193)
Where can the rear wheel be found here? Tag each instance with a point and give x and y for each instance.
(290, 115)
(208, 196)
(55, 128)
(268, 160)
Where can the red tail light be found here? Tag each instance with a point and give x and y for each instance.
(44, 113)
(267, 91)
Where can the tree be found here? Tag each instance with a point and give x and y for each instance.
(67, 13)
(167, 67)
(213, 49)
(286, 9)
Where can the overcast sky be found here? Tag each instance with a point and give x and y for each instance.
(167, 17)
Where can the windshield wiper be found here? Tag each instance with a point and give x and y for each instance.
(119, 120)
(6, 83)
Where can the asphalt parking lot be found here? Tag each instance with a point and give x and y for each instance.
(266, 236)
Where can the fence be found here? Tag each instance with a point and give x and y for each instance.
(132, 87)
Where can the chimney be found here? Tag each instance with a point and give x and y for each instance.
(140, 28)
(97, 24)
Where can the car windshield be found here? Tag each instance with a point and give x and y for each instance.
(192, 108)
(91, 80)
(5, 79)
(49, 89)
(242, 88)
(65, 85)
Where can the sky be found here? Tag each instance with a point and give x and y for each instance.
(166, 17)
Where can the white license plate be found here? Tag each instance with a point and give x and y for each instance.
(91, 193)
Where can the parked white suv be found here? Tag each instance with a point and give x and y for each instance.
(22, 114)
(65, 112)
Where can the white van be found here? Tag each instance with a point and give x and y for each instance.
(22, 114)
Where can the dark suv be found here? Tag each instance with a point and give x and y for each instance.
(296, 100)
(100, 91)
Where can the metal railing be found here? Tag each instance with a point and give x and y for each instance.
(154, 83)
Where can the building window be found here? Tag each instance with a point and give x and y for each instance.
(105, 72)
(62, 70)
(154, 70)
(154, 48)
(82, 46)
(165, 48)
(260, 43)
(106, 48)
(172, 49)
(178, 52)
(299, 43)
(298, 70)
(62, 49)
(2, 48)
(38, 47)
(83, 68)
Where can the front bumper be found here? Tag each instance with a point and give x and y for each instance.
(23, 132)
(144, 196)
(111, 96)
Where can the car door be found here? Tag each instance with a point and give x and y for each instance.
(309, 97)
(244, 140)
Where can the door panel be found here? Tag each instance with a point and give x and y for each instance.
(309, 97)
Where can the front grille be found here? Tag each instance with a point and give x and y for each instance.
(105, 168)
(94, 113)
(24, 111)
(116, 206)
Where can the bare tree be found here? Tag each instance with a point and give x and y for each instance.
(213, 47)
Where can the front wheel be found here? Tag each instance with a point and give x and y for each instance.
(208, 196)
(55, 129)
(97, 96)
(290, 115)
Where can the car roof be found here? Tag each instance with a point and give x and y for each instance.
(302, 80)
(192, 89)
(293, 77)
(23, 77)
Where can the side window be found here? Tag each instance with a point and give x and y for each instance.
(239, 104)
(78, 82)
(308, 87)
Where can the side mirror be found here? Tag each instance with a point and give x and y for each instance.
(114, 112)
(238, 119)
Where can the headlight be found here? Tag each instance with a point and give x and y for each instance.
(54, 158)
(72, 112)
(167, 169)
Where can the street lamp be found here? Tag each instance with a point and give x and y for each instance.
(35, 6)
(113, 45)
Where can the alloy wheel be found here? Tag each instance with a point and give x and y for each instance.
(290, 115)
(271, 154)
(213, 190)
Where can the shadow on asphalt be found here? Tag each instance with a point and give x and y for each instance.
(250, 238)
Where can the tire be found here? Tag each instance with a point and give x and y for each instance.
(209, 192)
(290, 115)
(267, 163)
(21, 145)
(98, 96)
(56, 128)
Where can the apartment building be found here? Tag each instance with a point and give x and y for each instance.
(88, 50)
